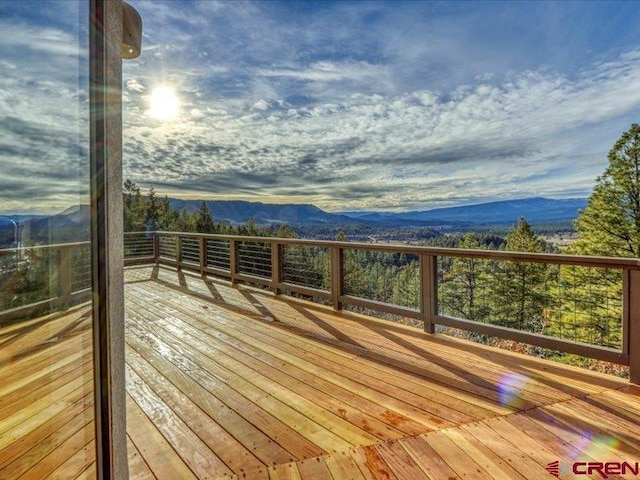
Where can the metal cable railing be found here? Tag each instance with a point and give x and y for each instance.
(581, 304)
(138, 246)
(307, 266)
(81, 268)
(218, 255)
(168, 247)
(254, 259)
(190, 250)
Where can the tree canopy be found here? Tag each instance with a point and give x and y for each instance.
(610, 223)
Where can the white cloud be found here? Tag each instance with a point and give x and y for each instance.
(134, 85)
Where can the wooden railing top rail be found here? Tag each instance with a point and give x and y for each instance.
(554, 258)
(55, 246)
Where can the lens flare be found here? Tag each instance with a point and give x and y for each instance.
(510, 388)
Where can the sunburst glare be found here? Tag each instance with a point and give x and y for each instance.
(164, 104)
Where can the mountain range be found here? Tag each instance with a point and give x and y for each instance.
(535, 210)
(74, 223)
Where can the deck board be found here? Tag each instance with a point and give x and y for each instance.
(234, 382)
(402, 403)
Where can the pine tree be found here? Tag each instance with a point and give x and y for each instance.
(204, 219)
(610, 224)
(522, 286)
(285, 231)
(134, 209)
(153, 209)
(185, 222)
(463, 290)
(406, 286)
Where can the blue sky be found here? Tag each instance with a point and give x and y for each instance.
(363, 105)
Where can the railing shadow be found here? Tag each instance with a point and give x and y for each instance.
(530, 368)
(325, 326)
(439, 360)
(72, 329)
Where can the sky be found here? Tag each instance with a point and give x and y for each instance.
(346, 105)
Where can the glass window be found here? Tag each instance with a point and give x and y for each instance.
(46, 357)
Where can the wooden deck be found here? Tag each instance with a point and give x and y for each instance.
(234, 382)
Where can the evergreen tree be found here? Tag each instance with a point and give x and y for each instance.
(204, 219)
(522, 286)
(406, 286)
(167, 217)
(610, 224)
(285, 231)
(153, 209)
(464, 288)
(134, 209)
(185, 222)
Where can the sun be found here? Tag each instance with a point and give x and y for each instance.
(164, 104)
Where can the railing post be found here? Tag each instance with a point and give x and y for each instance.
(276, 267)
(233, 261)
(64, 277)
(632, 322)
(203, 254)
(179, 252)
(156, 248)
(428, 290)
(337, 276)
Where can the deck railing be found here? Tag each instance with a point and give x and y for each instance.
(576, 297)
(42, 278)
(601, 291)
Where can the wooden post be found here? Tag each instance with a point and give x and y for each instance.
(179, 252)
(233, 261)
(632, 319)
(64, 278)
(156, 248)
(203, 254)
(337, 276)
(276, 267)
(428, 290)
(105, 120)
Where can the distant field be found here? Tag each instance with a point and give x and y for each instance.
(560, 239)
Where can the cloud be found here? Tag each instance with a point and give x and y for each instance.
(43, 115)
(134, 85)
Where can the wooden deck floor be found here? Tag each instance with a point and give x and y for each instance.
(46, 398)
(234, 382)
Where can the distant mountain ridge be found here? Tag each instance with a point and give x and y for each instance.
(240, 211)
(534, 210)
(73, 224)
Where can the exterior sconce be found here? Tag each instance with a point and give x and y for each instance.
(131, 32)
